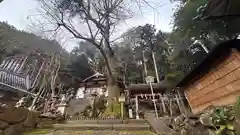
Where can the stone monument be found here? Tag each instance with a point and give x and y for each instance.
(63, 105)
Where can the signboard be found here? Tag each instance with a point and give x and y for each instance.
(149, 79)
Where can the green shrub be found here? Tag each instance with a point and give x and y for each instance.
(223, 120)
(237, 108)
(38, 132)
(237, 115)
(173, 76)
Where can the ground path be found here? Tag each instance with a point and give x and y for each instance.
(95, 132)
(103, 132)
(107, 127)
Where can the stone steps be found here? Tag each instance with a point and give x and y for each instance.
(113, 121)
(158, 125)
(116, 127)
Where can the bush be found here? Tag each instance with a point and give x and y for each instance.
(237, 108)
(173, 76)
(223, 120)
(237, 115)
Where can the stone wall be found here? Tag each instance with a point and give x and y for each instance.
(14, 121)
(220, 86)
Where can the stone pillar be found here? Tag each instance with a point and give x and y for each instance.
(62, 108)
(130, 113)
(136, 102)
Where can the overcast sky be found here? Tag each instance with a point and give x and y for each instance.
(15, 12)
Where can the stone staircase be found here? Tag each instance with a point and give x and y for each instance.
(158, 125)
(116, 125)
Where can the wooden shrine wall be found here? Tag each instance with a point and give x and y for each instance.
(220, 86)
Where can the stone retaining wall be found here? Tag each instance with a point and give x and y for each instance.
(14, 121)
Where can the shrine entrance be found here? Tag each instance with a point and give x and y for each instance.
(162, 102)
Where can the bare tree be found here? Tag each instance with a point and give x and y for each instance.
(93, 21)
(100, 17)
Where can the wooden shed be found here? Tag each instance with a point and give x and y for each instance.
(216, 80)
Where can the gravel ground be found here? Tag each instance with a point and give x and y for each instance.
(90, 132)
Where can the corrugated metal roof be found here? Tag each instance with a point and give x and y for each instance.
(11, 75)
(14, 80)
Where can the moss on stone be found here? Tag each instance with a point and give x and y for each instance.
(38, 132)
(113, 110)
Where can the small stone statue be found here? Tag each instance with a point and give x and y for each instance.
(21, 102)
(63, 99)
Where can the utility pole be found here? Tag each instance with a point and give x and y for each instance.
(150, 80)
(155, 67)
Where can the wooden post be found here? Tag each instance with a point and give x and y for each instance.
(170, 107)
(163, 105)
(180, 103)
(159, 98)
(136, 102)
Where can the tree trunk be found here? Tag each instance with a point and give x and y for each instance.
(112, 75)
(144, 66)
(112, 82)
(124, 74)
(111, 63)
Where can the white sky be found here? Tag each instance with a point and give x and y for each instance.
(16, 12)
